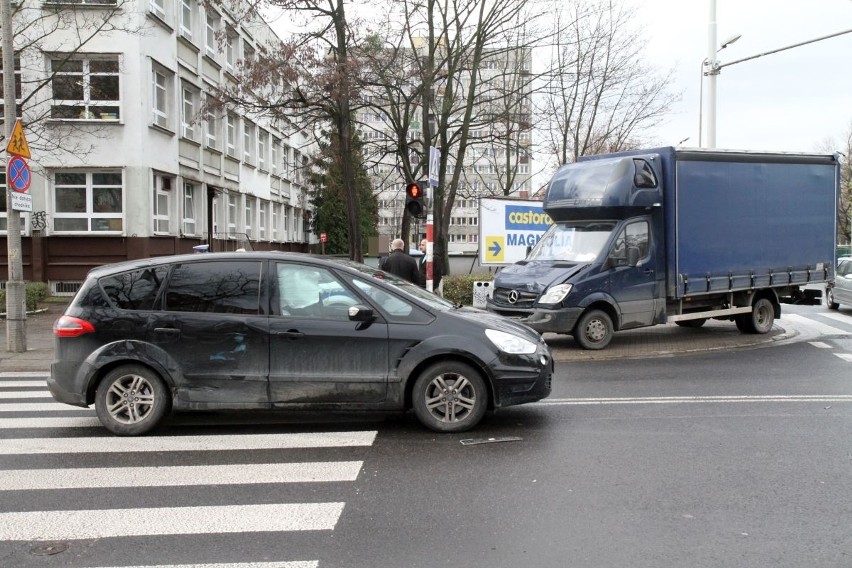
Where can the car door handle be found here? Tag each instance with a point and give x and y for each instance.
(648, 271)
(290, 333)
(167, 331)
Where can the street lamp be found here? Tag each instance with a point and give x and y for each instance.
(715, 67)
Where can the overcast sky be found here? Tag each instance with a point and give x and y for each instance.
(787, 101)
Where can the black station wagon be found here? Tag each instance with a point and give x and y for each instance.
(284, 331)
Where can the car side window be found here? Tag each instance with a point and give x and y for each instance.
(633, 235)
(227, 287)
(135, 290)
(312, 291)
(845, 268)
(393, 305)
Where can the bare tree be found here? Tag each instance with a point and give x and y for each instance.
(48, 38)
(600, 96)
(844, 205)
(309, 77)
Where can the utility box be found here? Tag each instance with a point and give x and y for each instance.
(481, 292)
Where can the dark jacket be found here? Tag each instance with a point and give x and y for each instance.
(436, 272)
(402, 265)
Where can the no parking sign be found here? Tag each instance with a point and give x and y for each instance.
(18, 178)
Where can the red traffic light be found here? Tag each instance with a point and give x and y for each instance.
(413, 191)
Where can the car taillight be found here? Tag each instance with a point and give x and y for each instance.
(67, 326)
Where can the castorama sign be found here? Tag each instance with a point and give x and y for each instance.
(507, 227)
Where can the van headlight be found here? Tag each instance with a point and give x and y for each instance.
(510, 343)
(555, 294)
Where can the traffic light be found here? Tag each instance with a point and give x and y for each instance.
(415, 199)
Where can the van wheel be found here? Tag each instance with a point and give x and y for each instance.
(760, 320)
(692, 323)
(829, 300)
(132, 400)
(450, 397)
(594, 330)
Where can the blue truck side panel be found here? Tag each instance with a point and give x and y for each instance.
(741, 220)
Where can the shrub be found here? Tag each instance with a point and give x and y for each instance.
(35, 292)
(459, 289)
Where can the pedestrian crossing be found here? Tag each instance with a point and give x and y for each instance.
(44, 448)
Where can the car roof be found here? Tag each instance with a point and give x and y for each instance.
(126, 265)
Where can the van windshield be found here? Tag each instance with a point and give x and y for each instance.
(574, 241)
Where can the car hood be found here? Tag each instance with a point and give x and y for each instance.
(536, 275)
(498, 322)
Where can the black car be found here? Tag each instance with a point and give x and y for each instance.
(277, 330)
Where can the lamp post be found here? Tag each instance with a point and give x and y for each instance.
(704, 63)
(714, 67)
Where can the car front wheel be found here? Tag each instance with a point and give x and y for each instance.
(132, 400)
(829, 300)
(450, 397)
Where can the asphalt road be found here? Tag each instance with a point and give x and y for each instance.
(736, 457)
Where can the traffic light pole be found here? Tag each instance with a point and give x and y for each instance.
(429, 239)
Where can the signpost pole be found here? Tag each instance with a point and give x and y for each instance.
(16, 309)
(434, 169)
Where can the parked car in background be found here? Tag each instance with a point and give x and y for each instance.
(840, 292)
(255, 330)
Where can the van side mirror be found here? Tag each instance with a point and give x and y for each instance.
(632, 256)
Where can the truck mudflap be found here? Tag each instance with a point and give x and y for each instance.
(554, 321)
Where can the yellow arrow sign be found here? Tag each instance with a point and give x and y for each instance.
(495, 248)
(18, 142)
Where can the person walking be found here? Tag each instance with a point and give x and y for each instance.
(399, 263)
(436, 268)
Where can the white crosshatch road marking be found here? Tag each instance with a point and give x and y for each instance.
(303, 564)
(820, 345)
(108, 444)
(692, 399)
(812, 325)
(109, 523)
(27, 384)
(66, 422)
(845, 356)
(35, 406)
(8, 395)
(174, 476)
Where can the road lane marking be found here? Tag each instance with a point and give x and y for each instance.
(111, 444)
(845, 356)
(8, 395)
(693, 399)
(839, 317)
(28, 384)
(820, 344)
(110, 523)
(35, 406)
(296, 564)
(176, 476)
(62, 422)
(813, 325)
(28, 374)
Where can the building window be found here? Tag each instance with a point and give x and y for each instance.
(248, 141)
(249, 217)
(161, 197)
(276, 152)
(186, 10)
(190, 213)
(211, 129)
(232, 214)
(230, 48)
(231, 134)
(190, 98)
(17, 89)
(248, 51)
(158, 8)
(85, 87)
(276, 208)
(214, 23)
(161, 104)
(216, 212)
(88, 202)
(261, 220)
(262, 143)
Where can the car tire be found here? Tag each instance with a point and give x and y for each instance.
(132, 400)
(696, 323)
(442, 390)
(829, 300)
(594, 330)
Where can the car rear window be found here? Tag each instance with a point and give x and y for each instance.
(226, 287)
(135, 290)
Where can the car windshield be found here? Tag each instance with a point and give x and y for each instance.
(404, 286)
(577, 241)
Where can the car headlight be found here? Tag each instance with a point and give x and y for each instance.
(555, 294)
(509, 343)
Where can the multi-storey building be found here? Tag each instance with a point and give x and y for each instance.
(499, 135)
(158, 176)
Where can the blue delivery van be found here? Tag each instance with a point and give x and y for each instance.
(647, 237)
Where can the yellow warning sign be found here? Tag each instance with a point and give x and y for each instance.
(18, 142)
(495, 248)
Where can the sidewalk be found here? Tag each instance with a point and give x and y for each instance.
(657, 341)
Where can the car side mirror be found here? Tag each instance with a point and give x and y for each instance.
(632, 256)
(360, 312)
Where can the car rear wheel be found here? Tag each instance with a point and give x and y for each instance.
(594, 330)
(450, 397)
(132, 400)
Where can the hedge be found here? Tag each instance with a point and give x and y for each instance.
(459, 289)
(36, 292)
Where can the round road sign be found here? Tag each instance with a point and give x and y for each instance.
(18, 174)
